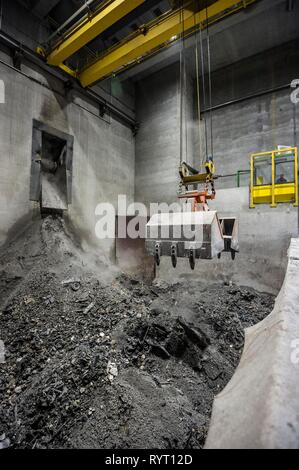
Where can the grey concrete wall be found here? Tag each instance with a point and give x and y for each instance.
(258, 124)
(24, 26)
(104, 152)
(19, 22)
(259, 409)
(273, 68)
(253, 125)
(158, 143)
(158, 140)
(265, 235)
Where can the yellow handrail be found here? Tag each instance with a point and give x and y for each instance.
(273, 193)
(296, 178)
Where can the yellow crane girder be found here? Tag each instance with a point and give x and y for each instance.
(90, 29)
(156, 35)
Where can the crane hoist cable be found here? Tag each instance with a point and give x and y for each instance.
(203, 93)
(208, 139)
(203, 155)
(207, 226)
(182, 86)
(185, 104)
(210, 80)
(181, 93)
(198, 107)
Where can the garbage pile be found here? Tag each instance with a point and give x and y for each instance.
(94, 358)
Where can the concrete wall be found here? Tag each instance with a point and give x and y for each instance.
(265, 235)
(259, 409)
(29, 30)
(158, 140)
(258, 124)
(253, 125)
(103, 158)
(158, 143)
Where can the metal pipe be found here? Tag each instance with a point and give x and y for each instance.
(87, 93)
(239, 173)
(44, 85)
(245, 98)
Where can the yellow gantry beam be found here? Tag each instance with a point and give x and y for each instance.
(91, 28)
(155, 36)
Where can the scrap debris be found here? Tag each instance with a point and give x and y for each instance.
(114, 363)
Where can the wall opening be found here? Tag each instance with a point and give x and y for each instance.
(53, 174)
(51, 169)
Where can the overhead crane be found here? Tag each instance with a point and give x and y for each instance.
(137, 46)
(90, 28)
(157, 34)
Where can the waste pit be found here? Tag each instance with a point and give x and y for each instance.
(95, 358)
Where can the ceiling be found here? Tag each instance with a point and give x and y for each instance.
(260, 27)
(56, 12)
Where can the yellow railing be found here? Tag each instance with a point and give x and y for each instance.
(273, 192)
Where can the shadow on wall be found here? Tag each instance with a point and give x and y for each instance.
(20, 226)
